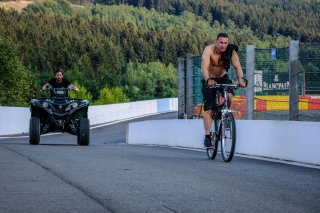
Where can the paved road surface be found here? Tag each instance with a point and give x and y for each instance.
(111, 176)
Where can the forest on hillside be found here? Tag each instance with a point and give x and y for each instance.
(109, 48)
(299, 19)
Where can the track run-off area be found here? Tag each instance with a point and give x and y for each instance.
(112, 176)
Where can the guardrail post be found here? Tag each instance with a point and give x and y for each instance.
(181, 91)
(250, 77)
(293, 80)
(189, 85)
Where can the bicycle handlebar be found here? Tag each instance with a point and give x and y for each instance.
(235, 86)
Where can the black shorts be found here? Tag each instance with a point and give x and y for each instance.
(209, 95)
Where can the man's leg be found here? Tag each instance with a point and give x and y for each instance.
(230, 99)
(207, 121)
(208, 98)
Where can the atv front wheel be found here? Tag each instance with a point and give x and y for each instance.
(84, 132)
(34, 131)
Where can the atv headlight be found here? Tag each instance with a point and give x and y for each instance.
(68, 108)
(75, 104)
(45, 104)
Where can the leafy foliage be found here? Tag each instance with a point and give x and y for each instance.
(134, 45)
(146, 81)
(51, 7)
(15, 81)
(298, 19)
(112, 95)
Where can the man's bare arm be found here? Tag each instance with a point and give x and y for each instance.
(237, 66)
(205, 61)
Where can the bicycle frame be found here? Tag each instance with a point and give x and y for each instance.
(224, 106)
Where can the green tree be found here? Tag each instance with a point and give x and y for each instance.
(15, 81)
(149, 81)
(52, 7)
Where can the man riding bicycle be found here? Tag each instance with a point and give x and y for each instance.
(215, 63)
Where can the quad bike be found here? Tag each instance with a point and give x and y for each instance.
(59, 113)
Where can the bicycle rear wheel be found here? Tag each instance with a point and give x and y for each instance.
(212, 151)
(228, 137)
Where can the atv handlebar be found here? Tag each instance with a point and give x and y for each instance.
(70, 87)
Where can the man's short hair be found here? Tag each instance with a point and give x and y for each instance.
(223, 35)
(58, 70)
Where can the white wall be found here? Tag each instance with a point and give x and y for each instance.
(15, 120)
(106, 113)
(286, 140)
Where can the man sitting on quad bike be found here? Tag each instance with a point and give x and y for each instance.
(59, 113)
(59, 82)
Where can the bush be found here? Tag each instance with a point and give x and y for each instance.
(110, 96)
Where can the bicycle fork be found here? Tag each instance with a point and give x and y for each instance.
(220, 125)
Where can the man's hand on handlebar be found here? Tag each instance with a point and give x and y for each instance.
(71, 87)
(211, 82)
(76, 89)
(242, 82)
(45, 87)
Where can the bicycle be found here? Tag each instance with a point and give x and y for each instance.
(223, 127)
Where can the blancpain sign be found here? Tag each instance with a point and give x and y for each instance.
(270, 82)
(276, 86)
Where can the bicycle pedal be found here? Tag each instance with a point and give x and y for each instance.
(210, 148)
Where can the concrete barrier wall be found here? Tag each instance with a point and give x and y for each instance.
(295, 141)
(113, 112)
(15, 120)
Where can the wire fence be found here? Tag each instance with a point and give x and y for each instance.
(271, 85)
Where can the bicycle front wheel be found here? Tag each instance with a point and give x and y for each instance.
(228, 137)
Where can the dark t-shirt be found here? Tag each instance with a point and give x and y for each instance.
(64, 83)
